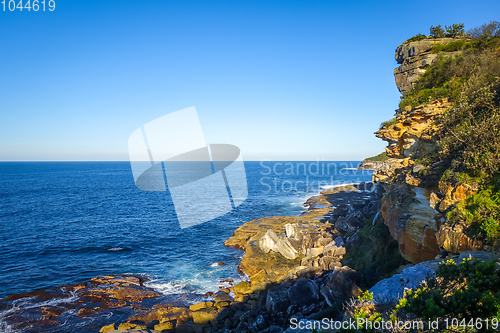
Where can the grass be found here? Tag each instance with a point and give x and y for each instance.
(388, 123)
(376, 255)
(481, 212)
(416, 38)
(378, 158)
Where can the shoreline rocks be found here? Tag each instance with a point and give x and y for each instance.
(294, 268)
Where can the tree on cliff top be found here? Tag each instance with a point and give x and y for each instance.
(455, 29)
(487, 30)
(437, 31)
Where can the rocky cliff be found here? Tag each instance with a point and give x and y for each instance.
(417, 197)
(414, 58)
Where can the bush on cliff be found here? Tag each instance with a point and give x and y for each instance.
(416, 38)
(468, 147)
(481, 212)
(375, 255)
(467, 291)
(485, 31)
(378, 158)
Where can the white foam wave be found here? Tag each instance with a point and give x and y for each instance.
(52, 302)
(198, 284)
(114, 249)
(329, 187)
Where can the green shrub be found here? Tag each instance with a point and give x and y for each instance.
(481, 212)
(388, 123)
(376, 255)
(366, 296)
(378, 158)
(452, 46)
(464, 291)
(416, 38)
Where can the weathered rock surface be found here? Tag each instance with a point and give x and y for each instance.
(452, 194)
(412, 222)
(414, 58)
(391, 289)
(453, 238)
(370, 165)
(304, 292)
(341, 283)
(271, 242)
(304, 237)
(412, 129)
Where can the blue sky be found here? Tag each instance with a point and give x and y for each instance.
(282, 80)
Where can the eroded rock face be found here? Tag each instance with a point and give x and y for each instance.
(412, 222)
(453, 194)
(370, 165)
(340, 283)
(414, 58)
(390, 170)
(452, 238)
(413, 129)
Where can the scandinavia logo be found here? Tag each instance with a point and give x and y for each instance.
(204, 181)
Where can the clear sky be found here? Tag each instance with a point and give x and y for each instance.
(282, 80)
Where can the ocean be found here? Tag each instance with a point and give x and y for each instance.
(67, 222)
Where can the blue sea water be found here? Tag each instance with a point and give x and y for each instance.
(67, 222)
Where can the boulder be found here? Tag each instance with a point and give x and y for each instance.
(391, 289)
(128, 326)
(167, 326)
(348, 224)
(415, 58)
(202, 305)
(243, 288)
(322, 241)
(271, 241)
(341, 284)
(277, 299)
(333, 250)
(204, 316)
(412, 222)
(293, 231)
(258, 324)
(339, 241)
(221, 296)
(453, 238)
(108, 328)
(477, 255)
(314, 251)
(303, 292)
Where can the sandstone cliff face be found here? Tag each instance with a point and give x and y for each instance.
(414, 58)
(414, 210)
(413, 129)
(412, 222)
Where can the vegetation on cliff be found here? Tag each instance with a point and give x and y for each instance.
(468, 142)
(375, 255)
(378, 158)
(466, 291)
(454, 154)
